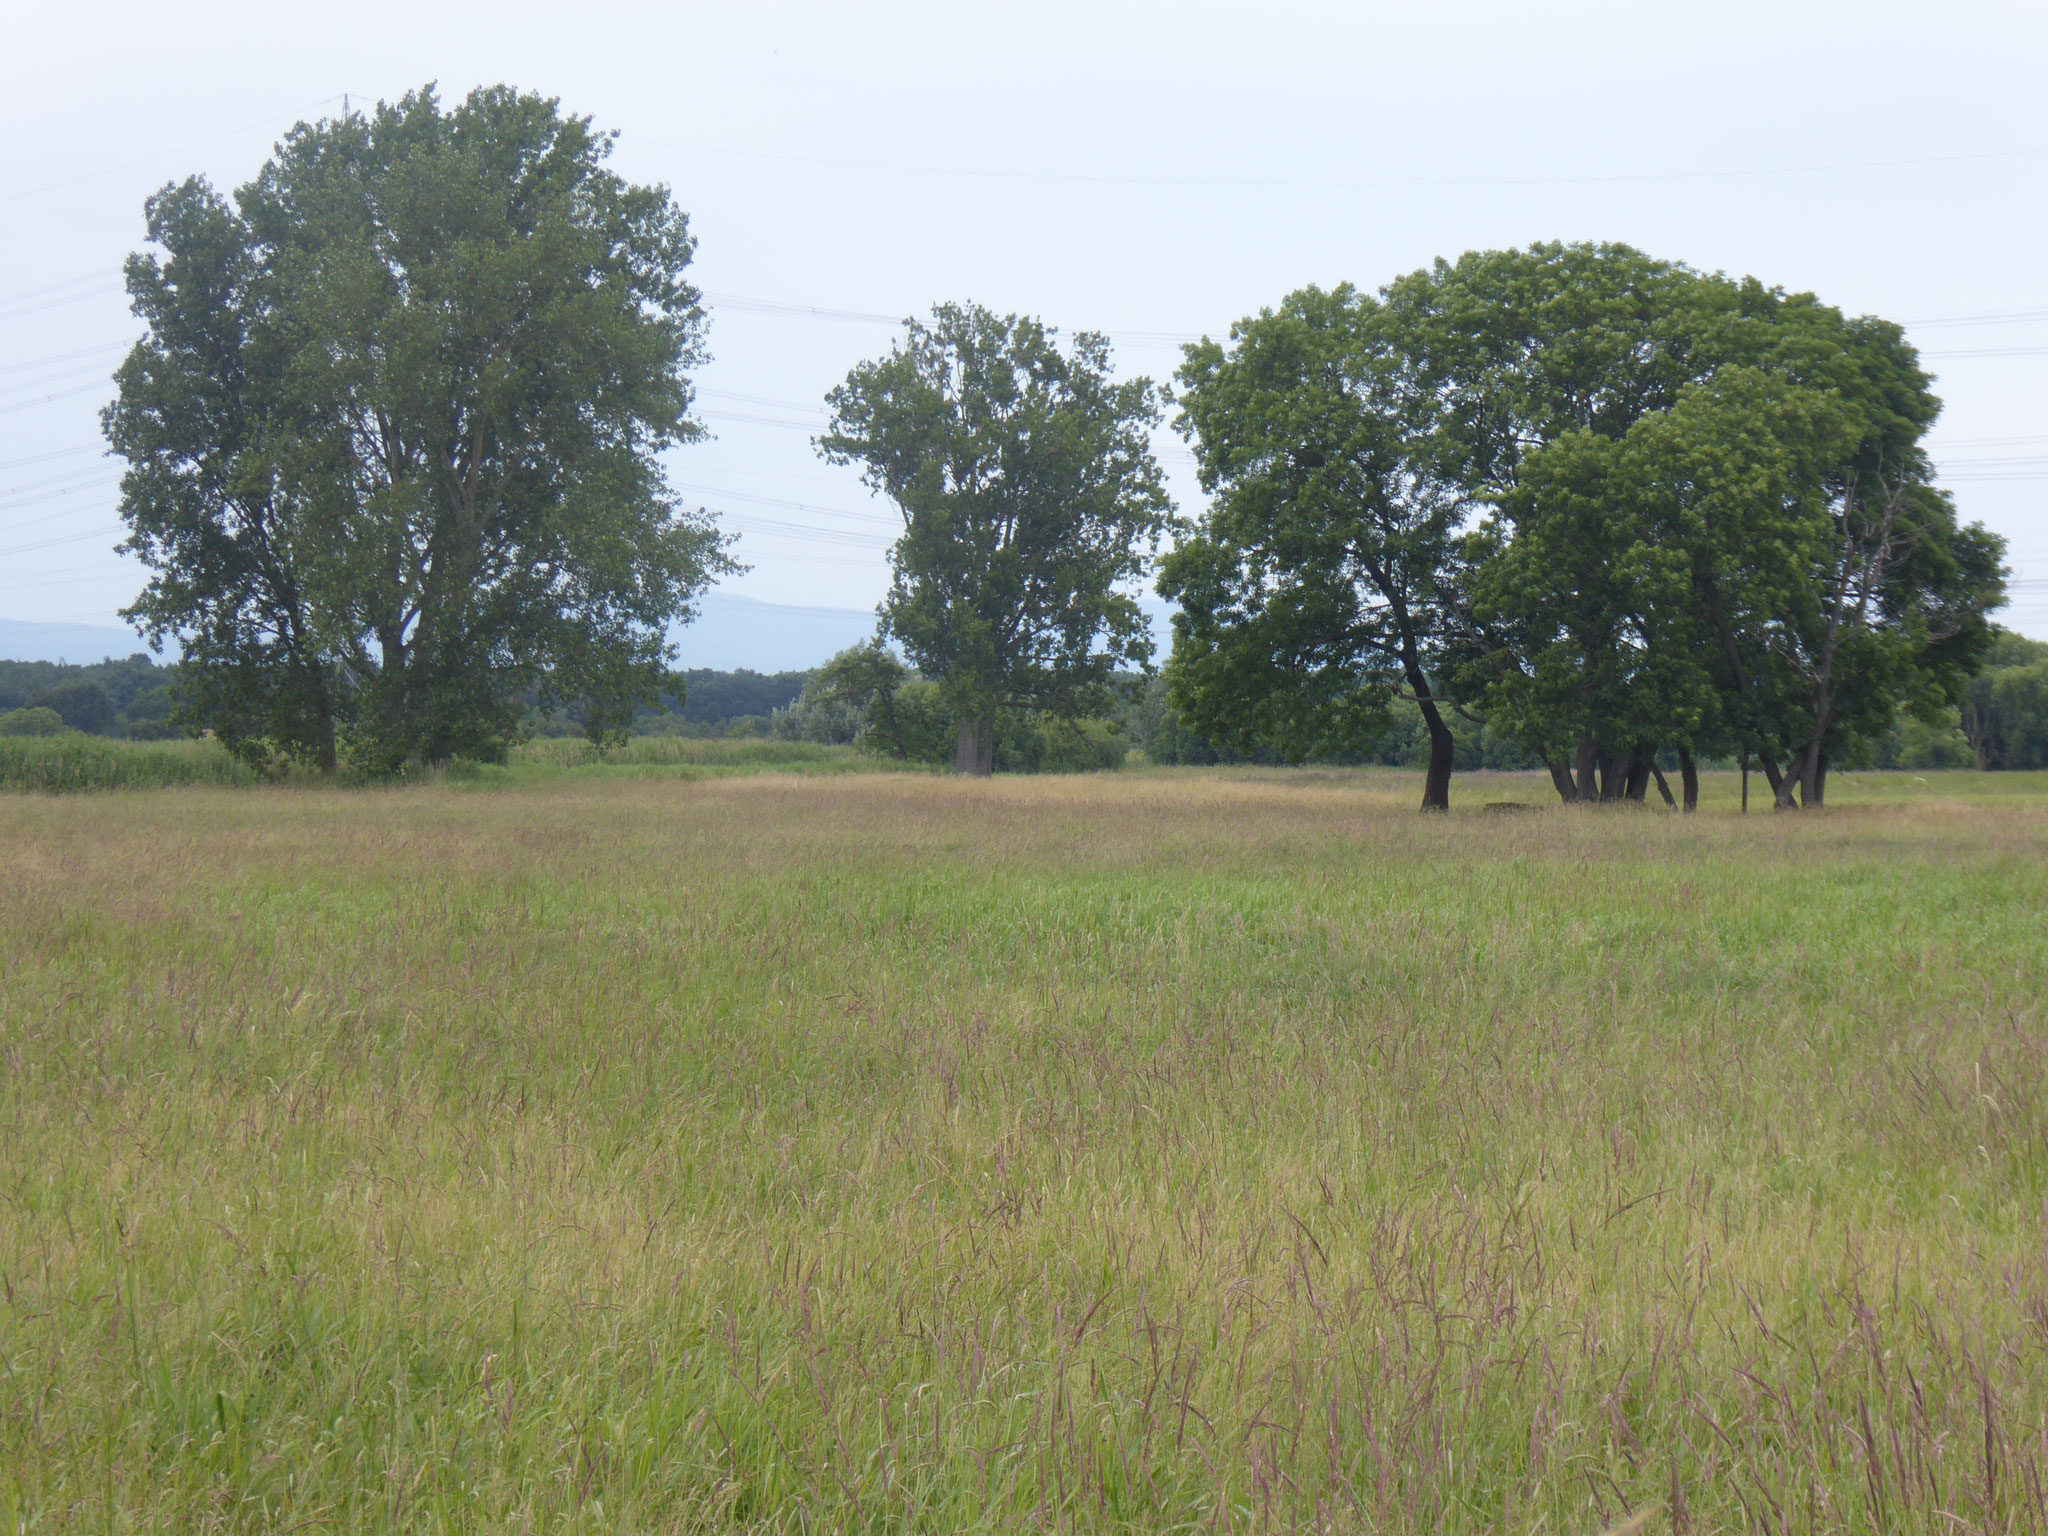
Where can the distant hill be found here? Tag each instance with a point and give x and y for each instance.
(731, 632)
(80, 644)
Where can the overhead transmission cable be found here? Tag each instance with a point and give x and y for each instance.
(1012, 174)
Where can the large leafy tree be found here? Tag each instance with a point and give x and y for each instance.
(1310, 594)
(202, 403)
(1708, 522)
(1518, 368)
(1882, 601)
(1031, 501)
(394, 429)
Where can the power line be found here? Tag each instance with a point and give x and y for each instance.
(94, 371)
(63, 538)
(1988, 442)
(998, 173)
(105, 350)
(99, 275)
(54, 453)
(2009, 317)
(62, 394)
(748, 419)
(43, 517)
(1991, 352)
(794, 506)
(767, 400)
(59, 482)
(746, 521)
(155, 156)
(15, 311)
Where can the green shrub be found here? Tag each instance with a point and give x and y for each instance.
(1922, 746)
(38, 721)
(1027, 744)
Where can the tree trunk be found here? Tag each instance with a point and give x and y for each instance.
(1637, 786)
(1587, 768)
(975, 754)
(1663, 788)
(1784, 787)
(1436, 787)
(1689, 776)
(1617, 772)
(1443, 747)
(1813, 781)
(1561, 777)
(330, 760)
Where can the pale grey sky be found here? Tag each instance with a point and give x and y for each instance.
(1149, 170)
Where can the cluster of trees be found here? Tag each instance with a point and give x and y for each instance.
(699, 702)
(2005, 712)
(1609, 506)
(868, 697)
(394, 431)
(130, 698)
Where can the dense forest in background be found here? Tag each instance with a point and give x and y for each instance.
(2003, 722)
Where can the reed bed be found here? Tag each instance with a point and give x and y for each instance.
(1140, 1152)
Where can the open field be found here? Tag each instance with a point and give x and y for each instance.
(73, 763)
(1228, 1150)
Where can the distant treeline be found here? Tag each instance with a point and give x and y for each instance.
(868, 698)
(135, 697)
(737, 703)
(2003, 722)
(130, 698)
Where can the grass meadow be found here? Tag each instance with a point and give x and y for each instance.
(638, 1148)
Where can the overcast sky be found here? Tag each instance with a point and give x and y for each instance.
(1153, 171)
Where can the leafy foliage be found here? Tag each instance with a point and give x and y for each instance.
(867, 696)
(39, 720)
(1030, 500)
(2005, 714)
(1623, 508)
(1309, 594)
(392, 434)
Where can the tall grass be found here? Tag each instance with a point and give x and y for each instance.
(72, 762)
(664, 753)
(1147, 1152)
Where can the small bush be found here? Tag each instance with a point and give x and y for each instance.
(39, 721)
(1041, 744)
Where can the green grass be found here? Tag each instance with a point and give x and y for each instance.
(72, 762)
(672, 757)
(1153, 1151)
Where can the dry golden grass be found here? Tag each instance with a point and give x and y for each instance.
(1139, 1152)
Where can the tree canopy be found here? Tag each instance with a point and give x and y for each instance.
(1612, 506)
(1030, 500)
(1309, 595)
(392, 434)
